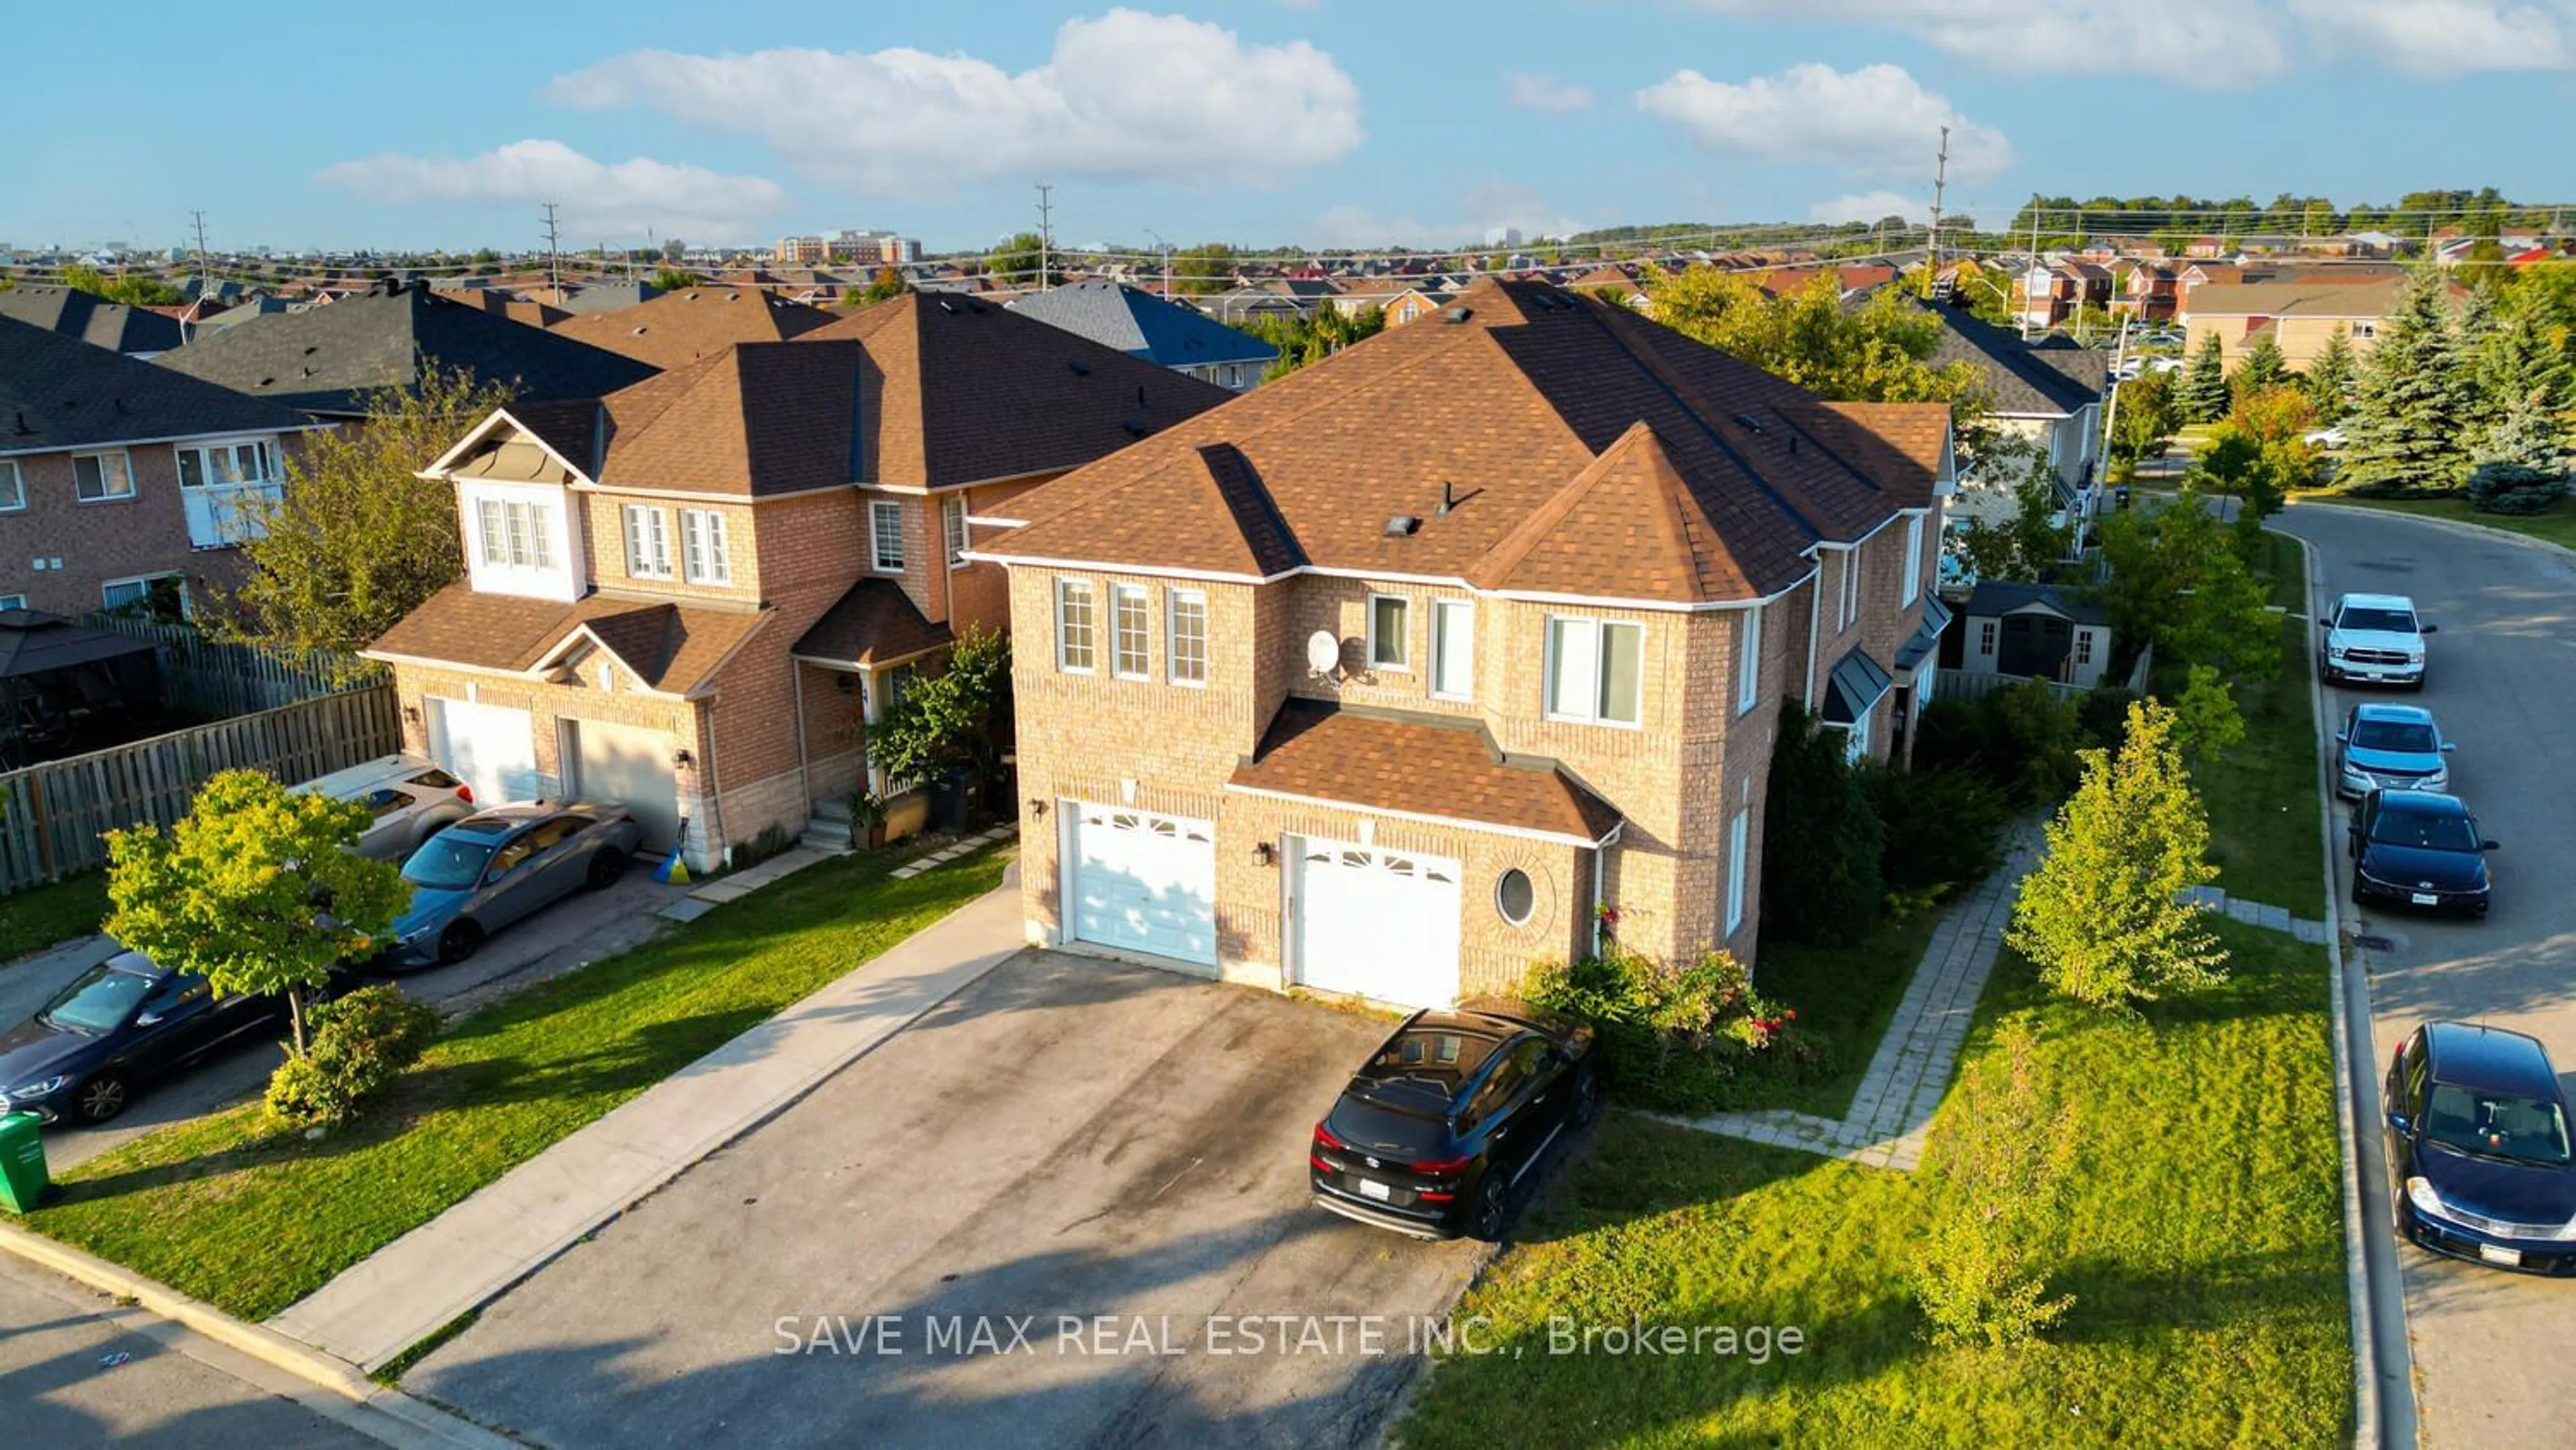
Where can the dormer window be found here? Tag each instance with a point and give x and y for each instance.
(517, 535)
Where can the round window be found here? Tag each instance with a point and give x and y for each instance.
(1514, 896)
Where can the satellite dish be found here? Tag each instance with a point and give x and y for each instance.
(1323, 652)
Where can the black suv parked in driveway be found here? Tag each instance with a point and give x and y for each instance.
(2477, 1148)
(1436, 1129)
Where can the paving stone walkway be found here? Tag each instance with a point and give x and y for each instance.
(994, 836)
(2255, 913)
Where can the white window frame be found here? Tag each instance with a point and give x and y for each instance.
(1986, 633)
(1856, 739)
(648, 548)
(213, 505)
(1748, 661)
(1913, 557)
(538, 539)
(952, 521)
(1591, 712)
(124, 468)
(1453, 640)
(2083, 646)
(13, 486)
(1066, 591)
(187, 606)
(263, 450)
(1739, 835)
(13, 601)
(706, 554)
(1847, 608)
(1403, 665)
(1123, 597)
(879, 536)
(1177, 650)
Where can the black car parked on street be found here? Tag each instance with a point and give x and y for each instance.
(2478, 1157)
(2418, 848)
(1437, 1128)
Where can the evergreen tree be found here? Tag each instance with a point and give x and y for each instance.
(2414, 399)
(2204, 393)
(2261, 367)
(2524, 381)
(2330, 379)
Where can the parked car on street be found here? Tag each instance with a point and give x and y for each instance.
(2477, 1148)
(1437, 1128)
(116, 1027)
(2323, 437)
(2372, 639)
(2418, 848)
(411, 799)
(499, 865)
(2390, 747)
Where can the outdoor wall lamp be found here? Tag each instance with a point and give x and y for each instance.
(411, 714)
(681, 759)
(1037, 808)
(1262, 854)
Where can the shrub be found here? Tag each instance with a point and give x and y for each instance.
(1944, 827)
(1999, 1168)
(2022, 740)
(2103, 716)
(1674, 1037)
(360, 1042)
(2514, 488)
(1821, 842)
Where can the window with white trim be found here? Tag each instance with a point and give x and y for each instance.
(1738, 837)
(516, 535)
(1186, 654)
(704, 556)
(1074, 645)
(1856, 740)
(1913, 556)
(162, 596)
(13, 601)
(1847, 607)
(102, 477)
(1130, 620)
(213, 465)
(1595, 670)
(1748, 660)
(1453, 649)
(1985, 636)
(224, 489)
(2084, 646)
(13, 486)
(952, 519)
(648, 542)
(1390, 643)
(885, 530)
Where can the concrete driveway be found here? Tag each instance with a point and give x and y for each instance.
(573, 932)
(2502, 681)
(1067, 1142)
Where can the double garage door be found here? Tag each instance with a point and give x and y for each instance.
(1378, 924)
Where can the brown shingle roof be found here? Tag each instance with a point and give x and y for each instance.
(681, 327)
(1510, 409)
(1421, 766)
(874, 624)
(673, 648)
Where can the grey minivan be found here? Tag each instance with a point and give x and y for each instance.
(496, 866)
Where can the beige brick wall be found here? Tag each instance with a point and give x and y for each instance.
(97, 542)
(981, 593)
(604, 525)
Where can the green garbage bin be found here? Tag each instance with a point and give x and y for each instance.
(22, 1162)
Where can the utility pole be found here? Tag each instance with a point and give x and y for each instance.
(2033, 267)
(203, 281)
(1046, 233)
(1940, 179)
(554, 279)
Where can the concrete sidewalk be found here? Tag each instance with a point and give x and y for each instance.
(416, 1285)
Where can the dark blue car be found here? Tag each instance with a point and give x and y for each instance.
(2416, 848)
(117, 1026)
(2477, 1148)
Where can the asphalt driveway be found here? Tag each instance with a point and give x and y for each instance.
(575, 932)
(1100, 1166)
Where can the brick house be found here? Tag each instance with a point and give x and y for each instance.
(691, 595)
(122, 483)
(1383, 679)
(677, 328)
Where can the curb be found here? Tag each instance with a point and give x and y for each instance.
(2474, 531)
(385, 1415)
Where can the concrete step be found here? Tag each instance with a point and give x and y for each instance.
(835, 810)
(828, 838)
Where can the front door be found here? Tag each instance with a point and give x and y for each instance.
(2035, 645)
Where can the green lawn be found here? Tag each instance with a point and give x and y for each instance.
(1843, 996)
(2262, 797)
(252, 1220)
(40, 916)
(2557, 524)
(2202, 1240)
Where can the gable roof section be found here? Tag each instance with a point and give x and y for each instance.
(59, 392)
(1436, 767)
(673, 648)
(1996, 597)
(327, 359)
(2304, 298)
(94, 320)
(875, 623)
(2023, 378)
(678, 328)
(1513, 410)
(1140, 324)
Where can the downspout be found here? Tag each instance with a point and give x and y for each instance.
(723, 854)
(1815, 620)
(804, 770)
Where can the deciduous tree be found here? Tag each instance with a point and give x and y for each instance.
(1879, 351)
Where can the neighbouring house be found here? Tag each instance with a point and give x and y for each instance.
(1431, 660)
(504, 304)
(1413, 304)
(2148, 291)
(2048, 293)
(2050, 391)
(1139, 324)
(135, 331)
(2298, 316)
(2033, 631)
(326, 360)
(121, 483)
(677, 328)
(693, 594)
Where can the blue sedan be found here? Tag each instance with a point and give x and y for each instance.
(496, 866)
(116, 1026)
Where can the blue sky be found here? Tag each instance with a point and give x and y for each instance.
(1331, 122)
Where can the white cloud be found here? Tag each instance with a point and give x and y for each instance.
(2214, 44)
(600, 200)
(1124, 97)
(2439, 39)
(1545, 93)
(1874, 121)
(1870, 206)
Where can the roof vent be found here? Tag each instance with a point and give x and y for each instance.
(945, 305)
(1080, 368)
(1448, 496)
(1402, 526)
(311, 348)
(1135, 427)
(23, 429)
(1749, 423)
(1457, 315)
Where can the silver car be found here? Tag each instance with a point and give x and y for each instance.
(496, 866)
(411, 800)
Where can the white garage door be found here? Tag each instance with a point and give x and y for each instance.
(629, 765)
(1381, 924)
(1142, 882)
(490, 747)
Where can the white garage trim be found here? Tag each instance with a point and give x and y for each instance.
(1374, 923)
(1139, 881)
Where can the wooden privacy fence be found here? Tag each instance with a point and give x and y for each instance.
(217, 680)
(51, 815)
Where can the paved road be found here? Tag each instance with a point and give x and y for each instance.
(573, 933)
(174, 1389)
(1067, 1137)
(2502, 680)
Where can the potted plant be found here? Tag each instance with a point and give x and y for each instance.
(867, 819)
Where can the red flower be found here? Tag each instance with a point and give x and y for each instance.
(1792, 1014)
